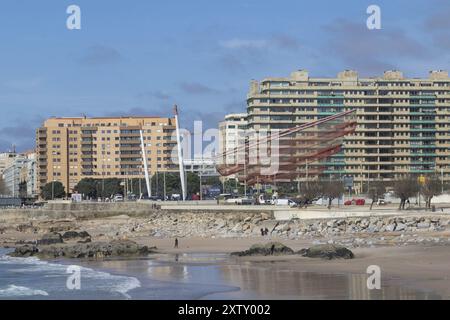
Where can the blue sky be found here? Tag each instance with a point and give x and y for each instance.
(142, 56)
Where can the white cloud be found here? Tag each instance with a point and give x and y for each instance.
(244, 44)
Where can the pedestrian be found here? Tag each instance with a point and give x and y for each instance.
(266, 231)
(262, 232)
(272, 249)
(176, 243)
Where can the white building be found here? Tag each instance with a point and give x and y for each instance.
(21, 169)
(202, 167)
(6, 159)
(232, 132)
(11, 175)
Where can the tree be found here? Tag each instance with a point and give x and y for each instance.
(23, 193)
(110, 187)
(3, 189)
(310, 191)
(432, 187)
(193, 183)
(332, 190)
(404, 188)
(87, 187)
(53, 190)
(231, 184)
(376, 191)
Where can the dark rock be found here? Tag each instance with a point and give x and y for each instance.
(265, 249)
(25, 251)
(50, 238)
(118, 248)
(74, 235)
(327, 251)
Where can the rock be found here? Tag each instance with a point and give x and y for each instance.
(400, 227)
(75, 235)
(390, 227)
(24, 251)
(118, 248)
(261, 249)
(265, 216)
(50, 238)
(237, 228)
(423, 225)
(327, 251)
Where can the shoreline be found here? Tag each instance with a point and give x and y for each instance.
(423, 268)
(411, 252)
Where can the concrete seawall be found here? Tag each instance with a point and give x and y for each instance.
(86, 210)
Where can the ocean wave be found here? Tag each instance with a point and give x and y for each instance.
(18, 291)
(91, 280)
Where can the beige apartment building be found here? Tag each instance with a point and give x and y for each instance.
(403, 124)
(70, 149)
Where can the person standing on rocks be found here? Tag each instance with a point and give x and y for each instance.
(176, 243)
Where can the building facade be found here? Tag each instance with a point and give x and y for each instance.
(6, 159)
(403, 124)
(28, 176)
(232, 133)
(70, 149)
(12, 175)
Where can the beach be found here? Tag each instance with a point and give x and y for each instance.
(413, 262)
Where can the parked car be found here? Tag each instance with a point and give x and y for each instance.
(118, 198)
(240, 201)
(285, 202)
(358, 202)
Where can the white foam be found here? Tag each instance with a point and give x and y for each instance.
(103, 280)
(18, 291)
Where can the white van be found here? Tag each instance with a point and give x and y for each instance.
(284, 202)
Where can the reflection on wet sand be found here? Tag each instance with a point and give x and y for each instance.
(279, 283)
(259, 280)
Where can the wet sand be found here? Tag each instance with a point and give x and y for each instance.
(421, 267)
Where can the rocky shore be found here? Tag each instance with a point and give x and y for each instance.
(159, 224)
(79, 246)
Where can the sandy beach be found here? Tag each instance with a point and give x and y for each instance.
(404, 261)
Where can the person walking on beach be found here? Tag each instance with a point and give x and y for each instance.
(262, 232)
(266, 231)
(176, 243)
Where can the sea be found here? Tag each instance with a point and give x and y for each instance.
(180, 277)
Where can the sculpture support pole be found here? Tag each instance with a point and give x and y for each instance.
(180, 156)
(144, 158)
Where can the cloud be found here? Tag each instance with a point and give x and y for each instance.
(371, 51)
(438, 25)
(243, 44)
(101, 55)
(21, 134)
(236, 54)
(160, 95)
(278, 41)
(196, 88)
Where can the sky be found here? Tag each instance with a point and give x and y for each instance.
(141, 57)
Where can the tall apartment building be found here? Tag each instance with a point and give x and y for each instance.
(70, 149)
(232, 133)
(6, 159)
(12, 175)
(403, 123)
